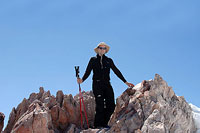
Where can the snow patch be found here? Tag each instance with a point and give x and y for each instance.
(138, 86)
(196, 116)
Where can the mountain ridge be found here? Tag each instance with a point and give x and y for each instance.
(150, 106)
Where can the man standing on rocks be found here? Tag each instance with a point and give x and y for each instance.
(101, 87)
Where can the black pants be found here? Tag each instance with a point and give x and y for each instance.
(105, 104)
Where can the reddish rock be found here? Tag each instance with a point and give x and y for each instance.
(11, 121)
(59, 98)
(2, 116)
(150, 106)
(43, 112)
(37, 120)
(89, 102)
(151, 109)
(70, 105)
(55, 113)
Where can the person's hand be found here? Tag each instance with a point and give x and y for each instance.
(129, 84)
(79, 80)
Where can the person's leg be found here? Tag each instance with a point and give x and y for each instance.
(110, 103)
(99, 99)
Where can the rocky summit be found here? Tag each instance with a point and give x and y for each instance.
(149, 107)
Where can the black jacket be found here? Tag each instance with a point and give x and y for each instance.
(101, 68)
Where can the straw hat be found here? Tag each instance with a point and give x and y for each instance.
(102, 43)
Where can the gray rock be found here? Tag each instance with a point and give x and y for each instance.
(43, 112)
(149, 107)
(153, 108)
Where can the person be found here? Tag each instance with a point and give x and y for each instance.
(101, 86)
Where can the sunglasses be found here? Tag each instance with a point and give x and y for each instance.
(104, 48)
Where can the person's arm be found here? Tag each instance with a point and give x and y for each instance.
(88, 70)
(117, 72)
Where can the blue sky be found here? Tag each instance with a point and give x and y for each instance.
(42, 41)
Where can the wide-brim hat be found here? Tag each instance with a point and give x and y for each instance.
(104, 44)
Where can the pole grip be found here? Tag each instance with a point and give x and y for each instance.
(77, 71)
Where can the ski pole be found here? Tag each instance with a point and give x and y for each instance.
(81, 99)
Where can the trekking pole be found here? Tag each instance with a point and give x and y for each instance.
(81, 98)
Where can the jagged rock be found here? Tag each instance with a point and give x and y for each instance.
(21, 108)
(59, 97)
(89, 102)
(73, 129)
(35, 119)
(70, 105)
(11, 121)
(2, 116)
(50, 101)
(151, 106)
(43, 112)
(40, 94)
